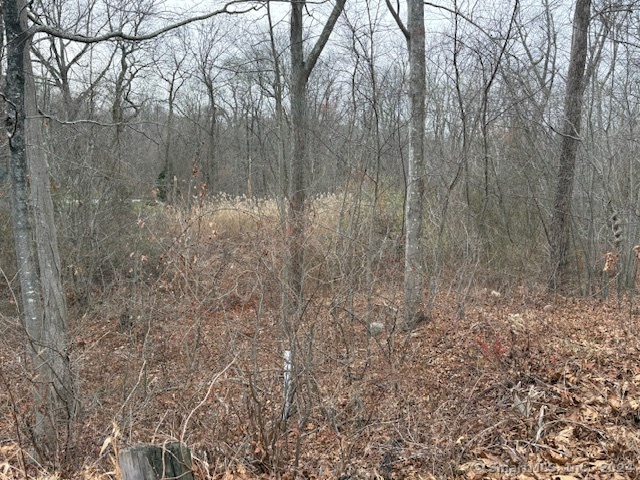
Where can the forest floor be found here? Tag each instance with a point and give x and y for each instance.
(504, 384)
(510, 390)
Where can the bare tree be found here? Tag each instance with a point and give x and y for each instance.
(414, 33)
(570, 130)
(209, 48)
(43, 303)
(413, 268)
(44, 307)
(174, 75)
(301, 69)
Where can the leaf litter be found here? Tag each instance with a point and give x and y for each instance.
(519, 386)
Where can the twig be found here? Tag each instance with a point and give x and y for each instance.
(140, 375)
(206, 397)
(23, 463)
(540, 424)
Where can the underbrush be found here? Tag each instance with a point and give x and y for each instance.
(187, 344)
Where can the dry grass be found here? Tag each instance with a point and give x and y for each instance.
(188, 346)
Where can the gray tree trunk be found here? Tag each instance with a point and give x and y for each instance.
(570, 130)
(299, 164)
(55, 322)
(296, 218)
(413, 268)
(156, 462)
(44, 309)
(165, 179)
(294, 272)
(22, 229)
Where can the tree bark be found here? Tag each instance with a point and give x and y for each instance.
(55, 321)
(296, 221)
(44, 310)
(413, 269)
(296, 218)
(22, 228)
(559, 234)
(156, 462)
(299, 164)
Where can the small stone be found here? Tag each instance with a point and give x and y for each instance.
(376, 328)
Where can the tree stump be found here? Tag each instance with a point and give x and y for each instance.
(156, 462)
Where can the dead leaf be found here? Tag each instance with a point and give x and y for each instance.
(558, 457)
(614, 402)
(565, 437)
(105, 444)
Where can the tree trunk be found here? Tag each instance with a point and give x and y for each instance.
(293, 271)
(22, 229)
(413, 272)
(156, 462)
(165, 179)
(559, 235)
(211, 170)
(55, 327)
(296, 217)
(297, 190)
(44, 309)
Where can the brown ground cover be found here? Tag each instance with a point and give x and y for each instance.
(188, 346)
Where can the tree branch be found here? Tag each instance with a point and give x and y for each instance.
(324, 37)
(119, 35)
(457, 13)
(396, 16)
